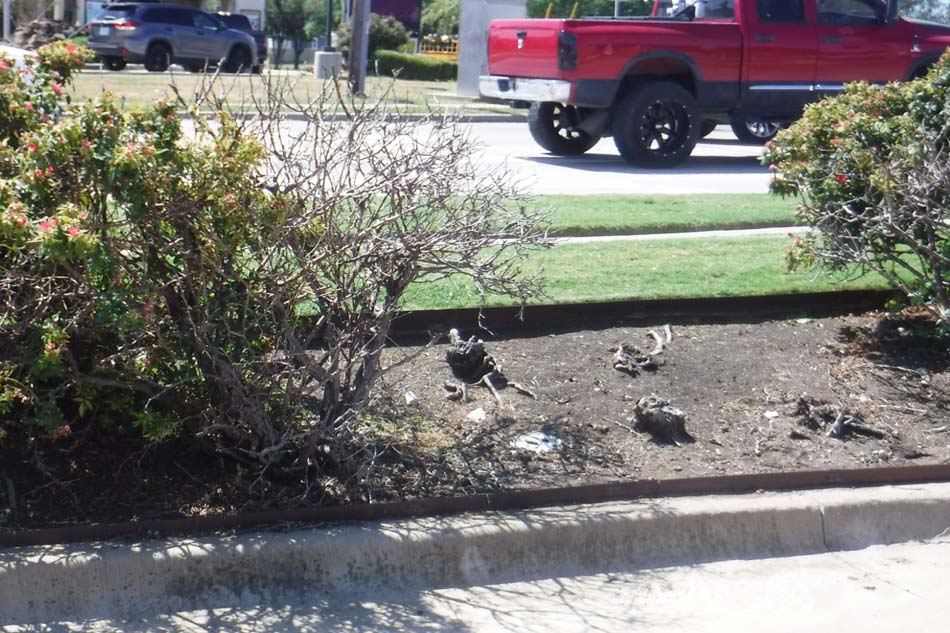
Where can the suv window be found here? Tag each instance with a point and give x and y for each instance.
(204, 21)
(165, 15)
(781, 11)
(850, 12)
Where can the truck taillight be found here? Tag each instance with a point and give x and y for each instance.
(566, 51)
(128, 25)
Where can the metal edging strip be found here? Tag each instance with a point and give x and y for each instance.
(497, 501)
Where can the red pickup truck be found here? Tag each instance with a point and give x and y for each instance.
(657, 84)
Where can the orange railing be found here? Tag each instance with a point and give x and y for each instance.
(448, 50)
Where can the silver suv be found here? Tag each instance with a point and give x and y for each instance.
(158, 35)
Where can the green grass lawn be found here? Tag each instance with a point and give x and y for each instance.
(626, 215)
(611, 271)
(140, 88)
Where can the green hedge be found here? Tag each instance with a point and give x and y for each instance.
(388, 63)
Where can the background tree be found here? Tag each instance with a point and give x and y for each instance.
(385, 33)
(287, 21)
(441, 17)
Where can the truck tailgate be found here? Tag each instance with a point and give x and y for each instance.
(524, 48)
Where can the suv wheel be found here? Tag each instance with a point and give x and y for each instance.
(657, 125)
(114, 63)
(157, 58)
(239, 60)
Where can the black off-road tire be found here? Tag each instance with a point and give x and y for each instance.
(657, 125)
(554, 127)
(754, 131)
(239, 60)
(158, 58)
(113, 63)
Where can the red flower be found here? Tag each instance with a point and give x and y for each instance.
(71, 48)
(38, 174)
(28, 106)
(49, 169)
(51, 346)
(57, 89)
(73, 231)
(86, 144)
(841, 178)
(836, 141)
(31, 147)
(4, 64)
(47, 225)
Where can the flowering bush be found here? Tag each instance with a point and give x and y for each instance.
(234, 282)
(871, 169)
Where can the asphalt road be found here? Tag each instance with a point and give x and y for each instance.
(719, 164)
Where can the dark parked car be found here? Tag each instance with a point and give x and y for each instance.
(240, 22)
(158, 35)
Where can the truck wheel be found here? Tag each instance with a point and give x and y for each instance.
(555, 128)
(157, 58)
(753, 130)
(657, 125)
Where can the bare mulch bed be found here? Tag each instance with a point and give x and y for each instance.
(769, 396)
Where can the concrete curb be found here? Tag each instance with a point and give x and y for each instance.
(120, 580)
(464, 116)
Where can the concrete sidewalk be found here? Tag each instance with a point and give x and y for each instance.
(884, 588)
(686, 235)
(467, 562)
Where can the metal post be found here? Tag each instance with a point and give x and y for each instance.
(7, 16)
(328, 47)
(359, 46)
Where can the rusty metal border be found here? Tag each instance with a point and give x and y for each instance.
(495, 501)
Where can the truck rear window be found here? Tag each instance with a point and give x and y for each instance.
(705, 9)
(781, 11)
(234, 21)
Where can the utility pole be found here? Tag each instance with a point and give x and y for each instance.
(328, 47)
(359, 47)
